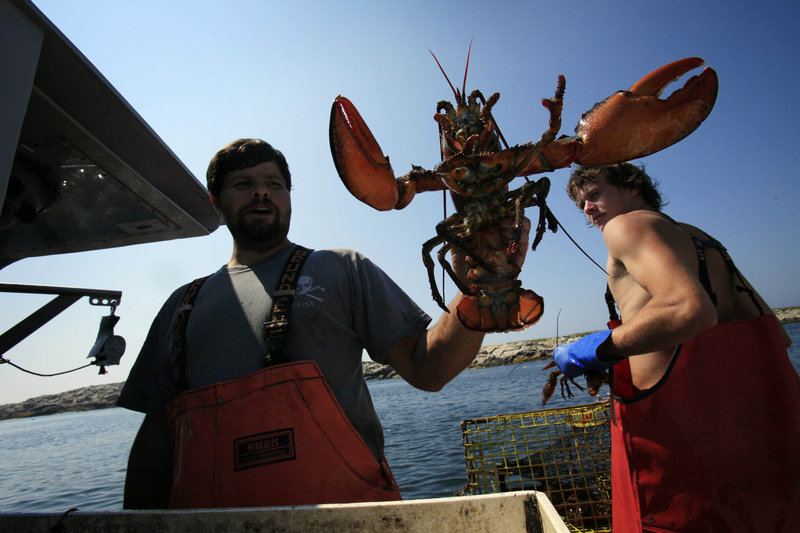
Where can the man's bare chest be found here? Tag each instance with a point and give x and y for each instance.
(628, 294)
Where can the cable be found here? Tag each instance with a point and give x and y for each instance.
(3, 360)
(578, 245)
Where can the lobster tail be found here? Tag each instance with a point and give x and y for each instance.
(500, 308)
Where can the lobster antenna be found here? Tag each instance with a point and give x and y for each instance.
(497, 129)
(442, 143)
(466, 69)
(442, 150)
(455, 91)
(557, 317)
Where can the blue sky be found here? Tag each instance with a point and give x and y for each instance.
(204, 73)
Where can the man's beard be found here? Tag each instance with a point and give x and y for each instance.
(260, 235)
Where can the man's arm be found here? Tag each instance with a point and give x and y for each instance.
(658, 259)
(428, 360)
(148, 482)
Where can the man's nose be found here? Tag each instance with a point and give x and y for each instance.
(261, 190)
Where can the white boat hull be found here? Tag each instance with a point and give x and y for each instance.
(507, 512)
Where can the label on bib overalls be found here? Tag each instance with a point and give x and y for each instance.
(263, 449)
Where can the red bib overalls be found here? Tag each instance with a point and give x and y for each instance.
(715, 446)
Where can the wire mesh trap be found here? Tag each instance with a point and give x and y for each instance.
(563, 452)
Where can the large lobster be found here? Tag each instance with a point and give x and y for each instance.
(477, 170)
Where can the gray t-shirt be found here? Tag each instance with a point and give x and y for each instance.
(344, 304)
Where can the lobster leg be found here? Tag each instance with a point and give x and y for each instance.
(551, 154)
(449, 268)
(449, 239)
(443, 231)
(427, 246)
(535, 193)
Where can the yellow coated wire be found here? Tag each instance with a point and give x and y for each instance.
(564, 452)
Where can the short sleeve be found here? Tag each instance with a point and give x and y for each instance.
(149, 386)
(384, 314)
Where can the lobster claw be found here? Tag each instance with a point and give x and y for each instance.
(361, 165)
(636, 123)
(363, 168)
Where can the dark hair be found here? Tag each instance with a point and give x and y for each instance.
(624, 175)
(244, 153)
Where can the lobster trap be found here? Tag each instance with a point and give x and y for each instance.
(564, 452)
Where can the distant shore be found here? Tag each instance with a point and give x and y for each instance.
(105, 396)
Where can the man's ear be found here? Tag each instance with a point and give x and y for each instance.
(215, 203)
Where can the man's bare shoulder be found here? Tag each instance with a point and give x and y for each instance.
(634, 219)
(629, 227)
(647, 238)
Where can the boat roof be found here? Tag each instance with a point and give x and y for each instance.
(117, 182)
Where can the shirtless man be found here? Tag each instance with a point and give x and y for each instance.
(706, 401)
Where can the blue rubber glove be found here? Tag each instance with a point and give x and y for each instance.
(577, 357)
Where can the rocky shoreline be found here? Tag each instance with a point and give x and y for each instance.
(104, 396)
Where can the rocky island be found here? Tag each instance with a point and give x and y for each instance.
(104, 396)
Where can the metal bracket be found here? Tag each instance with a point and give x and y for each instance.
(65, 297)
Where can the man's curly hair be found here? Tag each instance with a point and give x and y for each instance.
(624, 175)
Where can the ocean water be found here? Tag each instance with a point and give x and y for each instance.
(54, 463)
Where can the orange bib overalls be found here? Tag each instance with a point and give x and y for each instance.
(274, 437)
